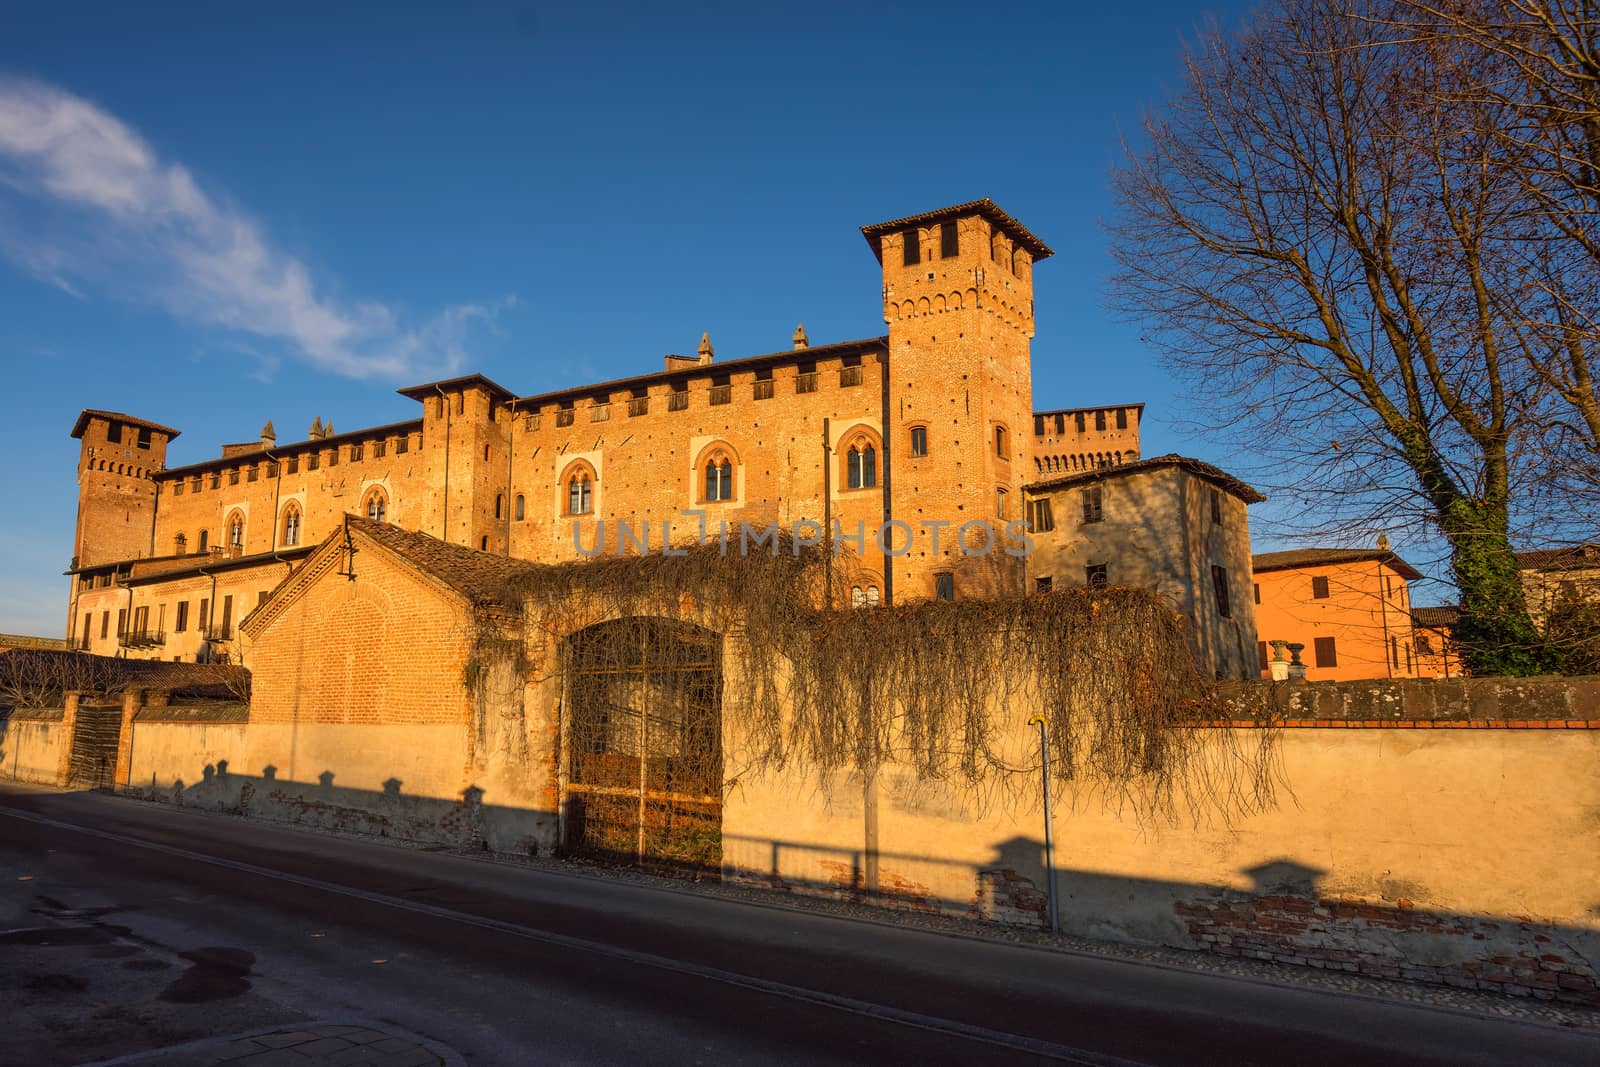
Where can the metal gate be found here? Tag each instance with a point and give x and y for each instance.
(645, 744)
(93, 763)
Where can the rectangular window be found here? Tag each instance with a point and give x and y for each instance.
(678, 400)
(638, 405)
(1000, 502)
(313, 461)
(195, 483)
(122, 621)
(252, 473)
(292, 465)
(850, 372)
(913, 247)
(721, 394)
(600, 412)
(1079, 419)
(1099, 420)
(1258, 591)
(1325, 652)
(233, 476)
(1042, 584)
(1095, 575)
(105, 624)
(1261, 655)
(182, 623)
(1093, 505)
(530, 422)
(1394, 652)
(1424, 645)
(1216, 507)
(379, 449)
(272, 468)
(402, 444)
(204, 617)
(919, 441)
(114, 433)
(144, 437)
(357, 452)
(1122, 418)
(333, 456)
(1219, 583)
(763, 385)
(565, 416)
(949, 240)
(461, 403)
(227, 614)
(1319, 588)
(216, 479)
(1038, 426)
(177, 487)
(944, 586)
(805, 382)
(1042, 517)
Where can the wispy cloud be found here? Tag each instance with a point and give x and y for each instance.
(88, 205)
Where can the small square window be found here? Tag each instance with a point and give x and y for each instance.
(1093, 505)
(1319, 588)
(1042, 584)
(1325, 651)
(919, 441)
(949, 240)
(944, 586)
(1095, 575)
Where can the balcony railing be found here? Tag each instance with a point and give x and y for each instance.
(142, 639)
(639, 405)
(721, 394)
(806, 383)
(849, 376)
(218, 633)
(763, 390)
(678, 401)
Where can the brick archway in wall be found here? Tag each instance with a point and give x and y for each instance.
(644, 748)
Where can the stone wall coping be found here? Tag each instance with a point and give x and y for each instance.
(1547, 702)
(221, 711)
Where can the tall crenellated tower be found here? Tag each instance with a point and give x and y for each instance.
(958, 299)
(465, 468)
(116, 494)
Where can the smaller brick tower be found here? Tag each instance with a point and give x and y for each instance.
(117, 456)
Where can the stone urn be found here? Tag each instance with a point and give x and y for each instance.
(1278, 665)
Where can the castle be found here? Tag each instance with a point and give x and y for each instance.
(918, 432)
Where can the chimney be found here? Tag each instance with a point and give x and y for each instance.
(1383, 542)
(800, 339)
(269, 436)
(316, 428)
(327, 428)
(705, 349)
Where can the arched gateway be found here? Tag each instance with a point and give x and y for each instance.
(645, 743)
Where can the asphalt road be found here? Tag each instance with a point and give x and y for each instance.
(126, 926)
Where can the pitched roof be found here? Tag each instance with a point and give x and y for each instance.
(702, 370)
(481, 577)
(87, 413)
(1436, 618)
(427, 389)
(1327, 557)
(1571, 558)
(985, 207)
(1199, 468)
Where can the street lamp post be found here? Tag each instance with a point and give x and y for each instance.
(1049, 836)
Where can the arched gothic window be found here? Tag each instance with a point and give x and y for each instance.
(719, 478)
(377, 506)
(580, 494)
(291, 525)
(521, 507)
(236, 531)
(861, 466)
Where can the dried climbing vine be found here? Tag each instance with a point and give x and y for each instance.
(943, 688)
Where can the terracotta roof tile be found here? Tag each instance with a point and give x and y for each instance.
(1436, 618)
(1199, 468)
(985, 207)
(482, 577)
(87, 413)
(1571, 558)
(1327, 557)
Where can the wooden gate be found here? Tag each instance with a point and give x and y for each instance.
(645, 744)
(93, 763)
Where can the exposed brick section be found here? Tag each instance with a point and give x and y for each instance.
(1423, 703)
(1392, 941)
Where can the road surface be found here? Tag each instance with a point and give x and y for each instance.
(129, 927)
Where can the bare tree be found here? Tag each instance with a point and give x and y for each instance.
(40, 679)
(1325, 238)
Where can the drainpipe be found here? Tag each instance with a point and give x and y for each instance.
(888, 500)
(155, 506)
(444, 521)
(827, 510)
(127, 624)
(511, 435)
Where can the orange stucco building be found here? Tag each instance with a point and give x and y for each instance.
(929, 427)
(1349, 607)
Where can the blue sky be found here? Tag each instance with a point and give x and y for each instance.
(211, 216)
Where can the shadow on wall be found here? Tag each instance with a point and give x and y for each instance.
(465, 823)
(1282, 916)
